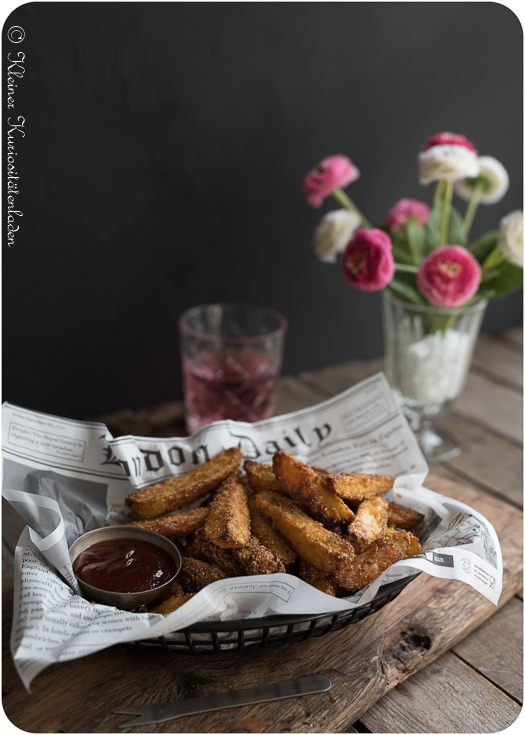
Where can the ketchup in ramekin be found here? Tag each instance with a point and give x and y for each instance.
(124, 565)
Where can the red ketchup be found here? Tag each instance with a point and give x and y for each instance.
(124, 565)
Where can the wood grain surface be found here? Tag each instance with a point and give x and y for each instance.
(363, 661)
(391, 672)
(495, 649)
(448, 698)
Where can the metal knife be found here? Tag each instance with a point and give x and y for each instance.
(153, 713)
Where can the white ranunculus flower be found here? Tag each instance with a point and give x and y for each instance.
(333, 233)
(510, 240)
(492, 179)
(447, 163)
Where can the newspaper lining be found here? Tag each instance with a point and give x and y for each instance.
(68, 477)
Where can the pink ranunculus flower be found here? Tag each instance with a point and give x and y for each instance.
(334, 172)
(368, 263)
(449, 276)
(404, 210)
(448, 139)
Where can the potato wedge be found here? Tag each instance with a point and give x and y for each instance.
(171, 603)
(414, 547)
(180, 524)
(264, 530)
(155, 500)
(200, 547)
(305, 486)
(320, 580)
(228, 522)
(359, 487)
(195, 574)
(261, 477)
(369, 524)
(255, 558)
(176, 590)
(402, 517)
(320, 547)
(374, 561)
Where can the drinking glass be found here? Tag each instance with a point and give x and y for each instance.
(231, 361)
(428, 350)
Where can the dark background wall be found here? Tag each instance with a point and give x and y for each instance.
(165, 148)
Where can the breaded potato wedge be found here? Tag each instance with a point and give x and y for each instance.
(265, 532)
(402, 517)
(320, 580)
(305, 486)
(155, 500)
(255, 558)
(359, 487)
(261, 477)
(200, 547)
(369, 524)
(195, 574)
(228, 523)
(320, 547)
(171, 603)
(180, 524)
(414, 547)
(176, 590)
(374, 561)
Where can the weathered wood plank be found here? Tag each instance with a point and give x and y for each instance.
(498, 361)
(495, 649)
(487, 460)
(514, 335)
(494, 406)
(294, 394)
(440, 472)
(337, 378)
(447, 696)
(363, 661)
(164, 420)
(7, 565)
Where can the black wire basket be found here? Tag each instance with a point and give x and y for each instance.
(252, 634)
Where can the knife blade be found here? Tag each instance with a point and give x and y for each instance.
(153, 713)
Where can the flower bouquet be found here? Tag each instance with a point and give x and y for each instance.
(436, 284)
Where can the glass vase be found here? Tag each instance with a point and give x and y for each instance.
(428, 351)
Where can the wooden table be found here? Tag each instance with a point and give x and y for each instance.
(440, 658)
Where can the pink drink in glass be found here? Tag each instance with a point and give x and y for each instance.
(227, 386)
(231, 361)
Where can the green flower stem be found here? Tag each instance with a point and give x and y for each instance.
(472, 209)
(341, 197)
(405, 268)
(449, 322)
(413, 244)
(493, 259)
(447, 199)
(438, 193)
